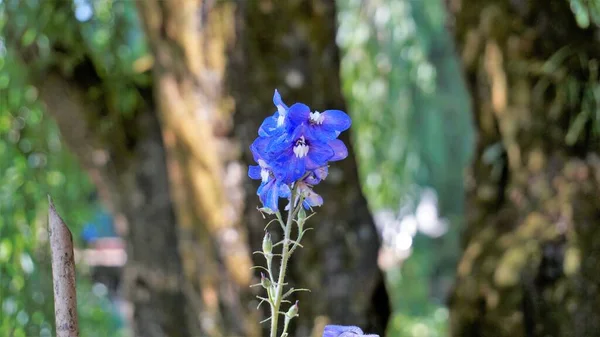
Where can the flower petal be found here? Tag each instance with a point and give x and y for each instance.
(339, 148)
(312, 199)
(288, 168)
(269, 195)
(254, 171)
(342, 331)
(269, 127)
(322, 172)
(318, 155)
(278, 101)
(317, 175)
(259, 148)
(319, 133)
(296, 168)
(312, 179)
(336, 120)
(284, 191)
(299, 113)
(279, 144)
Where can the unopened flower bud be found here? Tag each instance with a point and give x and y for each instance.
(267, 244)
(293, 311)
(264, 281)
(301, 215)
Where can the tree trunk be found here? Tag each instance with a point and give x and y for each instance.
(529, 266)
(188, 41)
(291, 46)
(134, 182)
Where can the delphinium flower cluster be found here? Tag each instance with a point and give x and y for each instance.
(293, 150)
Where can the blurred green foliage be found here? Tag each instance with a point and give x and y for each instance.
(583, 97)
(33, 160)
(405, 87)
(34, 163)
(413, 129)
(580, 96)
(586, 12)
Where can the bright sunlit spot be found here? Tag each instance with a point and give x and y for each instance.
(398, 228)
(83, 10)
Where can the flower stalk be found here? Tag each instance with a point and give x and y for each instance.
(285, 256)
(293, 152)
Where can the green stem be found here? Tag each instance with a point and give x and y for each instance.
(284, 261)
(285, 327)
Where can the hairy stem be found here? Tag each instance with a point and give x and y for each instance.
(285, 255)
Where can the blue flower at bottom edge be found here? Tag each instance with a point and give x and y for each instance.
(344, 331)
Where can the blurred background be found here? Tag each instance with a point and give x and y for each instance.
(468, 205)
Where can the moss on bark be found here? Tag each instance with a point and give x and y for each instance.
(528, 248)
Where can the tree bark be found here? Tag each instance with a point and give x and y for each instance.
(529, 266)
(134, 184)
(291, 46)
(188, 41)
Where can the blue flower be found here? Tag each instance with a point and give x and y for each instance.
(317, 175)
(279, 122)
(270, 192)
(295, 146)
(326, 125)
(344, 331)
(311, 199)
(270, 189)
(340, 151)
(293, 155)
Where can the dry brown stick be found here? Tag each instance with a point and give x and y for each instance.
(63, 275)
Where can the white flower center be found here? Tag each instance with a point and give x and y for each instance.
(264, 175)
(281, 117)
(301, 148)
(316, 117)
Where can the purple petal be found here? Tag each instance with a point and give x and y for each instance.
(299, 113)
(342, 331)
(312, 199)
(318, 155)
(336, 120)
(339, 148)
(312, 179)
(254, 172)
(322, 172)
(317, 175)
